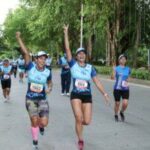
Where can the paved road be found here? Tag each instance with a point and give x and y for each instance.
(103, 133)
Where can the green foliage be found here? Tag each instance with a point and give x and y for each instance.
(104, 70)
(41, 22)
(140, 74)
(142, 56)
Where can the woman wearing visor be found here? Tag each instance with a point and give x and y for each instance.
(81, 97)
(39, 85)
(121, 88)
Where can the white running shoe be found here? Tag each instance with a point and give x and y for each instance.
(8, 98)
(68, 94)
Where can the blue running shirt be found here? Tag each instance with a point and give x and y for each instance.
(122, 74)
(37, 81)
(6, 71)
(21, 63)
(65, 67)
(81, 77)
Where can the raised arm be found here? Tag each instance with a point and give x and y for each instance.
(23, 50)
(67, 46)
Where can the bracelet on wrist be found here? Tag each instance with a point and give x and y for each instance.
(105, 94)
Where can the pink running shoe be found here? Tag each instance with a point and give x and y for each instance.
(80, 144)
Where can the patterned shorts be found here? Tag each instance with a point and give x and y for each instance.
(37, 108)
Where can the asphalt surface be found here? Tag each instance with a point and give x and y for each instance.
(103, 133)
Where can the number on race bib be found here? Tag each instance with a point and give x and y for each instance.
(38, 88)
(125, 84)
(6, 76)
(81, 84)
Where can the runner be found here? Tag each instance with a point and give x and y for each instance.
(5, 72)
(81, 98)
(21, 68)
(121, 87)
(65, 75)
(39, 84)
(48, 63)
(14, 67)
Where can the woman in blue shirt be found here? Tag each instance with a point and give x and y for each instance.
(81, 97)
(121, 87)
(39, 84)
(5, 73)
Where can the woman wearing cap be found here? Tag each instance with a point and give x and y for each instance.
(81, 98)
(39, 84)
(121, 87)
(5, 73)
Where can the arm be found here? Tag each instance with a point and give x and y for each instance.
(11, 72)
(67, 46)
(100, 88)
(113, 73)
(49, 86)
(24, 50)
(129, 78)
(1, 72)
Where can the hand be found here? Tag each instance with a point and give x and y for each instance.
(18, 34)
(112, 77)
(65, 27)
(107, 99)
(47, 91)
(66, 67)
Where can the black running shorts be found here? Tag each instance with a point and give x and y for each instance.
(118, 94)
(82, 97)
(6, 84)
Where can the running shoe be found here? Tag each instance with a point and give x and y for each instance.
(68, 94)
(116, 118)
(62, 94)
(5, 101)
(35, 145)
(7, 98)
(122, 116)
(41, 131)
(80, 144)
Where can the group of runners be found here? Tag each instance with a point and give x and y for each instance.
(74, 69)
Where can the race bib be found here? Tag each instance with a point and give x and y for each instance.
(125, 84)
(81, 84)
(6, 76)
(38, 88)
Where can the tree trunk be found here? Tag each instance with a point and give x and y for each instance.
(116, 32)
(137, 41)
(89, 49)
(113, 29)
(108, 48)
